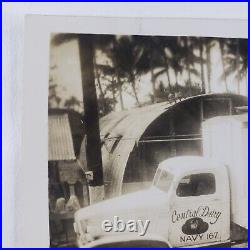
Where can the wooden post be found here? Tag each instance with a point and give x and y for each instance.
(91, 119)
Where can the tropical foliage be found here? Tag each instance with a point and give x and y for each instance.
(178, 67)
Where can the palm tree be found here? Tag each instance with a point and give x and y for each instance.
(201, 52)
(208, 45)
(236, 60)
(148, 59)
(129, 55)
(98, 80)
(119, 85)
(201, 49)
(115, 77)
(125, 55)
(178, 54)
(165, 53)
(189, 60)
(161, 59)
(222, 51)
(112, 87)
(160, 54)
(197, 45)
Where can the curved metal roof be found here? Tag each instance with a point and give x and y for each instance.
(120, 131)
(127, 128)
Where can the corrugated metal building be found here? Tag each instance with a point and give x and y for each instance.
(65, 136)
(60, 139)
(66, 178)
(135, 141)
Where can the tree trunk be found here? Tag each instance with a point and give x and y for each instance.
(120, 92)
(113, 89)
(167, 72)
(97, 75)
(189, 76)
(176, 78)
(91, 119)
(168, 77)
(238, 67)
(153, 82)
(223, 64)
(188, 65)
(134, 90)
(209, 70)
(203, 87)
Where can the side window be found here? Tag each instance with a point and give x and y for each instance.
(196, 184)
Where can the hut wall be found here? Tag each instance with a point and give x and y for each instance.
(175, 132)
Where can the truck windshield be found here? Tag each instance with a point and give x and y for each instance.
(162, 180)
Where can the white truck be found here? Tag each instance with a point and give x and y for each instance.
(193, 201)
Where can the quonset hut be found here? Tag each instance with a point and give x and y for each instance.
(135, 141)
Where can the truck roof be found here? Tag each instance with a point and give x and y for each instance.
(181, 164)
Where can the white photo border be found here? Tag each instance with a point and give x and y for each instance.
(31, 218)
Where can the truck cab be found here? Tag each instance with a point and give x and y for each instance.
(188, 204)
(199, 211)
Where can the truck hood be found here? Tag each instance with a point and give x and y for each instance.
(132, 205)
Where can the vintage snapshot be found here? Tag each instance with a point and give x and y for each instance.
(147, 141)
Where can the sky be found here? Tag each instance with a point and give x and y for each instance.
(67, 75)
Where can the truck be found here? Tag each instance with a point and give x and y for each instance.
(194, 201)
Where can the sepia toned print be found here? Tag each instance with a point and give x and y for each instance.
(147, 141)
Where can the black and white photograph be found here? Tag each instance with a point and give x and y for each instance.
(125, 125)
(147, 141)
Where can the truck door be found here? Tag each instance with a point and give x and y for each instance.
(199, 212)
